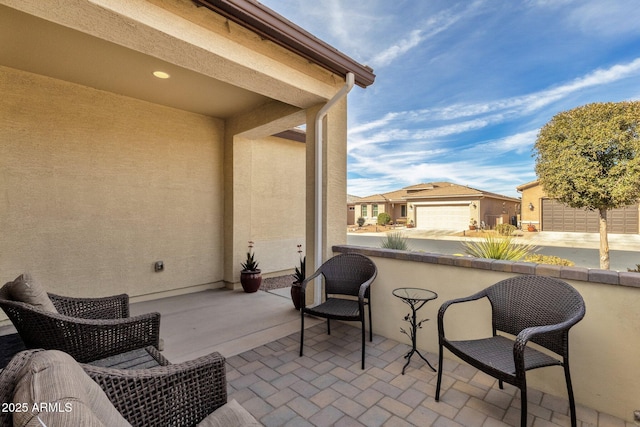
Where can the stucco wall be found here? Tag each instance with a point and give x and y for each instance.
(534, 196)
(96, 187)
(496, 211)
(277, 202)
(604, 346)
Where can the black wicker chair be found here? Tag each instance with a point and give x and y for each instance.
(169, 395)
(86, 328)
(531, 308)
(345, 275)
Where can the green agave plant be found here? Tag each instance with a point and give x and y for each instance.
(395, 240)
(498, 247)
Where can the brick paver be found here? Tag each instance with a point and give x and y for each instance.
(326, 387)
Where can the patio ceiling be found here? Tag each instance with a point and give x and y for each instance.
(35, 45)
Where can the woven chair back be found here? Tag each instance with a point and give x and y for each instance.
(528, 301)
(344, 273)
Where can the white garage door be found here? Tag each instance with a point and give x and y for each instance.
(445, 217)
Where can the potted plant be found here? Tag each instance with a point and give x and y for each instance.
(473, 224)
(251, 275)
(531, 227)
(298, 277)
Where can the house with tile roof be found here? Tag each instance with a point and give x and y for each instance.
(548, 214)
(440, 206)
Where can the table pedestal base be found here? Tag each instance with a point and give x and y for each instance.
(408, 357)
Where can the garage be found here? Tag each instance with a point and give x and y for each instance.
(558, 217)
(442, 217)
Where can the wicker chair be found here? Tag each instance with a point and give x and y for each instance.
(86, 328)
(347, 275)
(531, 308)
(173, 395)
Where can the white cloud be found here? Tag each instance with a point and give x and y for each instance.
(430, 28)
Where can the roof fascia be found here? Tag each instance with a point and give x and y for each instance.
(272, 26)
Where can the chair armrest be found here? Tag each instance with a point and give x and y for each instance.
(303, 286)
(529, 333)
(306, 281)
(182, 394)
(364, 287)
(111, 307)
(87, 339)
(447, 304)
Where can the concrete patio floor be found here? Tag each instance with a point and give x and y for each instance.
(259, 335)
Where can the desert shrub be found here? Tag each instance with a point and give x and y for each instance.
(395, 240)
(548, 259)
(384, 218)
(497, 247)
(361, 222)
(505, 229)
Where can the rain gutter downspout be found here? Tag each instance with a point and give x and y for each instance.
(350, 79)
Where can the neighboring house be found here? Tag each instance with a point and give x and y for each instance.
(107, 169)
(548, 214)
(351, 209)
(440, 206)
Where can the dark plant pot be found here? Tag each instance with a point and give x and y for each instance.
(296, 291)
(251, 280)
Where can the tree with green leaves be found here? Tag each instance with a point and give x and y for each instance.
(589, 158)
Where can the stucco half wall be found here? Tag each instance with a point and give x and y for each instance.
(604, 346)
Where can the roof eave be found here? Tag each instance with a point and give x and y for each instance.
(272, 26)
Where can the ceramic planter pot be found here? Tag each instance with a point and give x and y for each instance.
(251, 280)
(296, 291)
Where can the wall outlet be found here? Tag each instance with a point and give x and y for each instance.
(159, 266)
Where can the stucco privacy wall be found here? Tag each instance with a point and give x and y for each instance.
(603, 347)
(277, 222)
(96, 187)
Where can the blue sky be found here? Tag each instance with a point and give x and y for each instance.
(462, 87)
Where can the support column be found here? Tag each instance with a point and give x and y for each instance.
(237, 205)
(334, 177)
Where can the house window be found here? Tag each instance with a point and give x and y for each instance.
(374, 210)
(364, 211)
(403, 210)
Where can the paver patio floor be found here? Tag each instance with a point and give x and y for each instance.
(326, 387)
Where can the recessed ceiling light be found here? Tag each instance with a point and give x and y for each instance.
(161, 74)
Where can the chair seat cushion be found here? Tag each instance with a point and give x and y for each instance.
(230, 414)
(54, 388)
(336, 308)
(497, 353)
(25, 289)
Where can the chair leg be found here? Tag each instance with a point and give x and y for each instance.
(523, 405)
(328, 326)
(363, 341)
(572, 402)
(500, 384)
(370, 324)
(301, 331)
(439, 373)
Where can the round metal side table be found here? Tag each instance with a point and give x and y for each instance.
(414, 298)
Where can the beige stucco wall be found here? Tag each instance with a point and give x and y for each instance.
(96, 187)
(370, 218)
(604, 346)
(495, 211)
(533, 195)
(277, 222)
